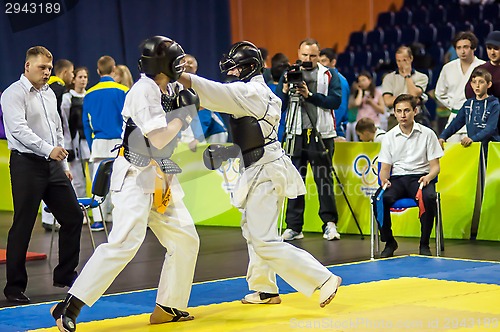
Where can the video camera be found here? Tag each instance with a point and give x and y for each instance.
(294, 74)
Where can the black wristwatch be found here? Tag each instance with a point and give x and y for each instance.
(407, 76)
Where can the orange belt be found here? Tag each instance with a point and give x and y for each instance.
(163, 193)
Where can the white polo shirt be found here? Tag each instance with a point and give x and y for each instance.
(394, 84)
(410, 154)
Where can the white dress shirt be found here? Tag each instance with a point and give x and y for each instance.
(32, 123)
(410, 154)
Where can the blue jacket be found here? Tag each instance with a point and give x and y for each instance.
(480, 118)
(210, 126)
(102, 110)
(341, 112)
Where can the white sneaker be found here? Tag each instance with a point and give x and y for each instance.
(329, 289)
(331, 232)
(261, 298)
(290, 234)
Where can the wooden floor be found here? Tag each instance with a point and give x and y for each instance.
(223, 254)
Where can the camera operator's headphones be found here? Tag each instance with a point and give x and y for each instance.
(245, 55)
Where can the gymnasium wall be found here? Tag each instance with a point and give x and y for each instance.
(280, 25)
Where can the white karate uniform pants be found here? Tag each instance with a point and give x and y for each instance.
(269, 254)
(132, 214)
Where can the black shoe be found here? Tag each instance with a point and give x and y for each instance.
(66, 312)
(425, 251)
(66, 283)
(162, 314)
(19, 298)
(389, 249)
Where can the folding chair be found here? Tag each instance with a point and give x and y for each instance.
(403, 17)
(385, 19)
(405, 203)
(357, 39)
(482, 29)
(100, 189)
(392, 37)
(427, 34)
(420, 15)
(491, 12)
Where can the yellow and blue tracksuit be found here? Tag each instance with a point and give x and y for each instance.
(102, 108)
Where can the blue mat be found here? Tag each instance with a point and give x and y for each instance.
(36, 316)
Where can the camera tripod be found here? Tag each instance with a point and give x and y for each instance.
(295, 100)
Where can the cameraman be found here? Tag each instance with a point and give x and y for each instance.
(319, 93)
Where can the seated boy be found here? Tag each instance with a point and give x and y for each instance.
(411, 151)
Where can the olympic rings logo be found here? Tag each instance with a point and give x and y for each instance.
(230, 172)
(366, 169)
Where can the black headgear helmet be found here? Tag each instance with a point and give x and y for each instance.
(245, 55)
(161, 55)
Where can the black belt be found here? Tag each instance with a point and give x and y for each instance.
(31, 156)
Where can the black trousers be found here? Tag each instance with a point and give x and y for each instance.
(309, 150)
(33, 178)
(406, 186)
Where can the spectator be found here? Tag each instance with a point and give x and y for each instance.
(328, 58)
(368, 132)
(195, 133)
(352, 114)
(63, 77)
(102, 124)
(479, 115)
(59, 83)
(450, 86)
(492, 43)
(368, 99)
(123, 76)
(279, 65)
(266, 70)
(404, 80)
(74, 136)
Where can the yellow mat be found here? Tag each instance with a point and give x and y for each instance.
(404, 304)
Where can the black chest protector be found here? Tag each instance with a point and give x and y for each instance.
(139, 152)
(75, 117)
(247, 134)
